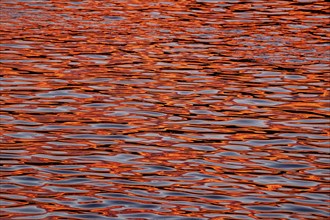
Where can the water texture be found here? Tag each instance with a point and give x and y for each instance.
(188, 110)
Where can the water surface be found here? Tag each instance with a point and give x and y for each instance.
(202, 109)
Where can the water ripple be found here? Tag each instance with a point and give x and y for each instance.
(190, 110)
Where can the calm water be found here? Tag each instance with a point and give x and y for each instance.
(167, 110)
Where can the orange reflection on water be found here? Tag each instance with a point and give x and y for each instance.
(150, 110)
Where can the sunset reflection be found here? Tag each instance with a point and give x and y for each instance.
(134, 109)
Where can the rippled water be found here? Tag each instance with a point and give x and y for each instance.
(202, 109)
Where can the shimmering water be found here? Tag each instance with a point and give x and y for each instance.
(202, 109)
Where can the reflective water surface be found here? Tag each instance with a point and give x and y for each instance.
(201, 109)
